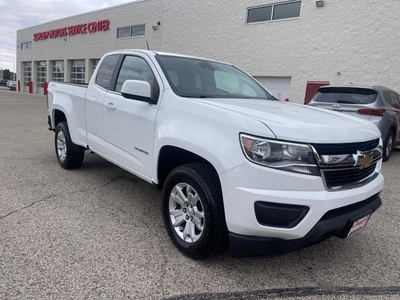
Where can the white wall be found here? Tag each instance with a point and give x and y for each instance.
(358, 38)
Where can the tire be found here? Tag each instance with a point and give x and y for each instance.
(193, 211)
(66, 155)
(388, 146)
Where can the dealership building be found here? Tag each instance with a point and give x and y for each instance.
(289, 46)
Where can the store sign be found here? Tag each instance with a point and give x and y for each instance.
(91, 27)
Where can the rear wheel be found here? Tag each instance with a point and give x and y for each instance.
(193, 211)
(388, 146)
(66, 155)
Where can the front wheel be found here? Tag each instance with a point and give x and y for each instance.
(193, 211)
(388, 146)
(66, 155)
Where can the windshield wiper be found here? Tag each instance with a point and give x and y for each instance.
(195, 96)
(345, 102)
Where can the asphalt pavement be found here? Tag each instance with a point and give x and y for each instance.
(97, 233)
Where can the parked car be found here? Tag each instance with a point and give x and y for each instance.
(12, 85)
(378, 104)
(3, 82)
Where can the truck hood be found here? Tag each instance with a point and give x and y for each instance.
(301, 123)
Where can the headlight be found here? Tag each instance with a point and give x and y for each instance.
(285, 156)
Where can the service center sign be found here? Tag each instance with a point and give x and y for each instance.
(91, 27)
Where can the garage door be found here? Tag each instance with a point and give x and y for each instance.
(278, 86)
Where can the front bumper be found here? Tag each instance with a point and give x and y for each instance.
(301, 200)
(336, 222)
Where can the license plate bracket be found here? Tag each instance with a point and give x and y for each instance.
(358, 224)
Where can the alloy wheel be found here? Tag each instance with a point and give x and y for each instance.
(186, 211)
(61, 146)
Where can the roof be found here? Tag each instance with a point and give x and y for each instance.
(372, 87)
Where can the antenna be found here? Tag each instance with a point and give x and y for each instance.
(148, 48)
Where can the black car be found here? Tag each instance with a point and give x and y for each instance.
(3, 82)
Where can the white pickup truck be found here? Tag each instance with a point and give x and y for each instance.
(235, 164)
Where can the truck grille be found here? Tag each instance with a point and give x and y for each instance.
(346, 166)
(332, 149)
(347, 177)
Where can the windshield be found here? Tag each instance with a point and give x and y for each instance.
(346, 95)
(199, 78)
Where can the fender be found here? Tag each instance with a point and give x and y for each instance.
(207, 131)
(70, 100)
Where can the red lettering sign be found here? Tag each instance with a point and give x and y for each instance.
(91, 27)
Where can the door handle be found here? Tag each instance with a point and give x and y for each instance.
(110, 106)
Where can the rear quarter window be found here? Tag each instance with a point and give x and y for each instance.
(346, 95)
(391, 98)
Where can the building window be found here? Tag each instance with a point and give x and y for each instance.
(92, 66)
(58, 70)
(78, 71)
(41, 75)
(95, 62)
(277, 11)
(26, 45)
(131, 31)
(27, 68)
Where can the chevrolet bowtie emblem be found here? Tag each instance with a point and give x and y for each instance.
(362, 159)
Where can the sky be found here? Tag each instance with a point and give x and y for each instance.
(20, 14)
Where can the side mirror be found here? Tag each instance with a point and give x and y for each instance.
(137, 90)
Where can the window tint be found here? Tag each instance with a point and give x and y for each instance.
(344, 95)
(231, 84)
(386, 96)
(199, 78)
(106, 70)
(398, 101)
(391, 98)
(136, 68)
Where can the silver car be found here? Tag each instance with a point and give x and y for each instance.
(12, 85)
(377, 104)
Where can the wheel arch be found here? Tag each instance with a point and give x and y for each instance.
(171, 156)
(58, 116)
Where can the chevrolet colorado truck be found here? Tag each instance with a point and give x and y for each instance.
(237, 167)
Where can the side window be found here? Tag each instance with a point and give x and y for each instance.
(135, 68)
(106, 70)
(397, 104)
(393, 100)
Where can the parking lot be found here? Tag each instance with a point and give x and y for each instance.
(97, 232)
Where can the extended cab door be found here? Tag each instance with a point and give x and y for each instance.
(94, 102)
(129, 124)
